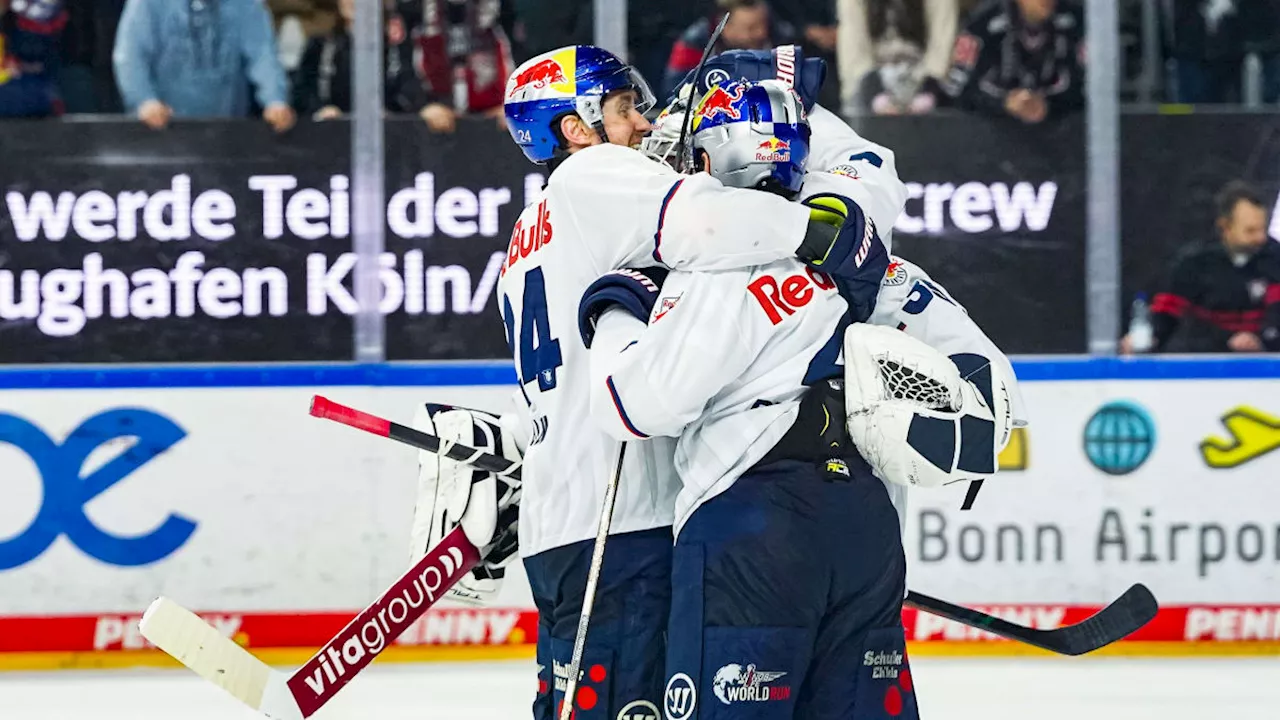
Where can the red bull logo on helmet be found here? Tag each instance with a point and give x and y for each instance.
(549, 75)
(720, 102)
(773, 150)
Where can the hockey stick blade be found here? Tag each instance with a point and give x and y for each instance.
(218, 659)
(1127, 614)
(327, 409)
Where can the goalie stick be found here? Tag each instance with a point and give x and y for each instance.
(1132, 610)
(218, 659)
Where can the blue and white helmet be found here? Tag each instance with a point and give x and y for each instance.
(755, 135)
(573, 79)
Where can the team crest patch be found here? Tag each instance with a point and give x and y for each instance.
(665, 305)
(895, 275)
(849, 171)
(734, 683)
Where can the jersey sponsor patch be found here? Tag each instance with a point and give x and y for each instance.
(734, 683)
(527, 240)
(782, 298)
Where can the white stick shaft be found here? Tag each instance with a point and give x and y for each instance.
(593, 580)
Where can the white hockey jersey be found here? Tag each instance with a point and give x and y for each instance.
(721, 365)
(608, 207)
(723, 362)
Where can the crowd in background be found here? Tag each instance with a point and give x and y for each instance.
(284, 59)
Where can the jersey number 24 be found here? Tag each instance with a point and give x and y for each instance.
(538, 354)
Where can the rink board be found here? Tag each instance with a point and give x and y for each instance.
(212, 485)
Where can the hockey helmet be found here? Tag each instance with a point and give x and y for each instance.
(755, 135)
(573, 79)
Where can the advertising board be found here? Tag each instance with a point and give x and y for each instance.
(225, 495)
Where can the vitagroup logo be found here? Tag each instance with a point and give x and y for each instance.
(378, 625)
(1119, 437)
(1253, 434)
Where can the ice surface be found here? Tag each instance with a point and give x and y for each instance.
(949, 689)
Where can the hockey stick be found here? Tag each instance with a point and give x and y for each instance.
(1135, 608)
(593, 580)
(686, 152)
(1129, 612)
(218, 659)
(323, 407)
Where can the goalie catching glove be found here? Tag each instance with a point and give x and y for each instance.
(919, 417)
(451, 494)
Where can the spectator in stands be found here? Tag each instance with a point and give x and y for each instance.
(1208, 42)
(1020, 58)
(322, 90)
(466, 59)
(85, 78)
(29, 33)
(816, 22)
(543, 25)
(197, 59)
(894, 53)
(652, 27)
(751, 27)
(1221, 292)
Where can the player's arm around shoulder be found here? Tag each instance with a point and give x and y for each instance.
(882, 196)
(706, 226)
(653, 376)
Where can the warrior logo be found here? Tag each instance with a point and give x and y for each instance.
(638, 710)
(734, 684)
(681, 697)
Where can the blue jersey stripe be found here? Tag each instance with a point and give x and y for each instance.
(662, 218)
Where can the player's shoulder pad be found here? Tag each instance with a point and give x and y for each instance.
(606, 159)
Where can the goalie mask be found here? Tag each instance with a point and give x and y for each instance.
(919, 417)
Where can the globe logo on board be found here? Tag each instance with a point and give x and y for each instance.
(1119, 437)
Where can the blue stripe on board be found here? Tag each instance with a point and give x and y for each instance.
(499, 372)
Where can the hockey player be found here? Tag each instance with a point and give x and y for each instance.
(605, 206)
(788, 573)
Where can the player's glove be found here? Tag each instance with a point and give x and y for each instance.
(452, 494)
(919, 417)
(844, 242)
(635, 291)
